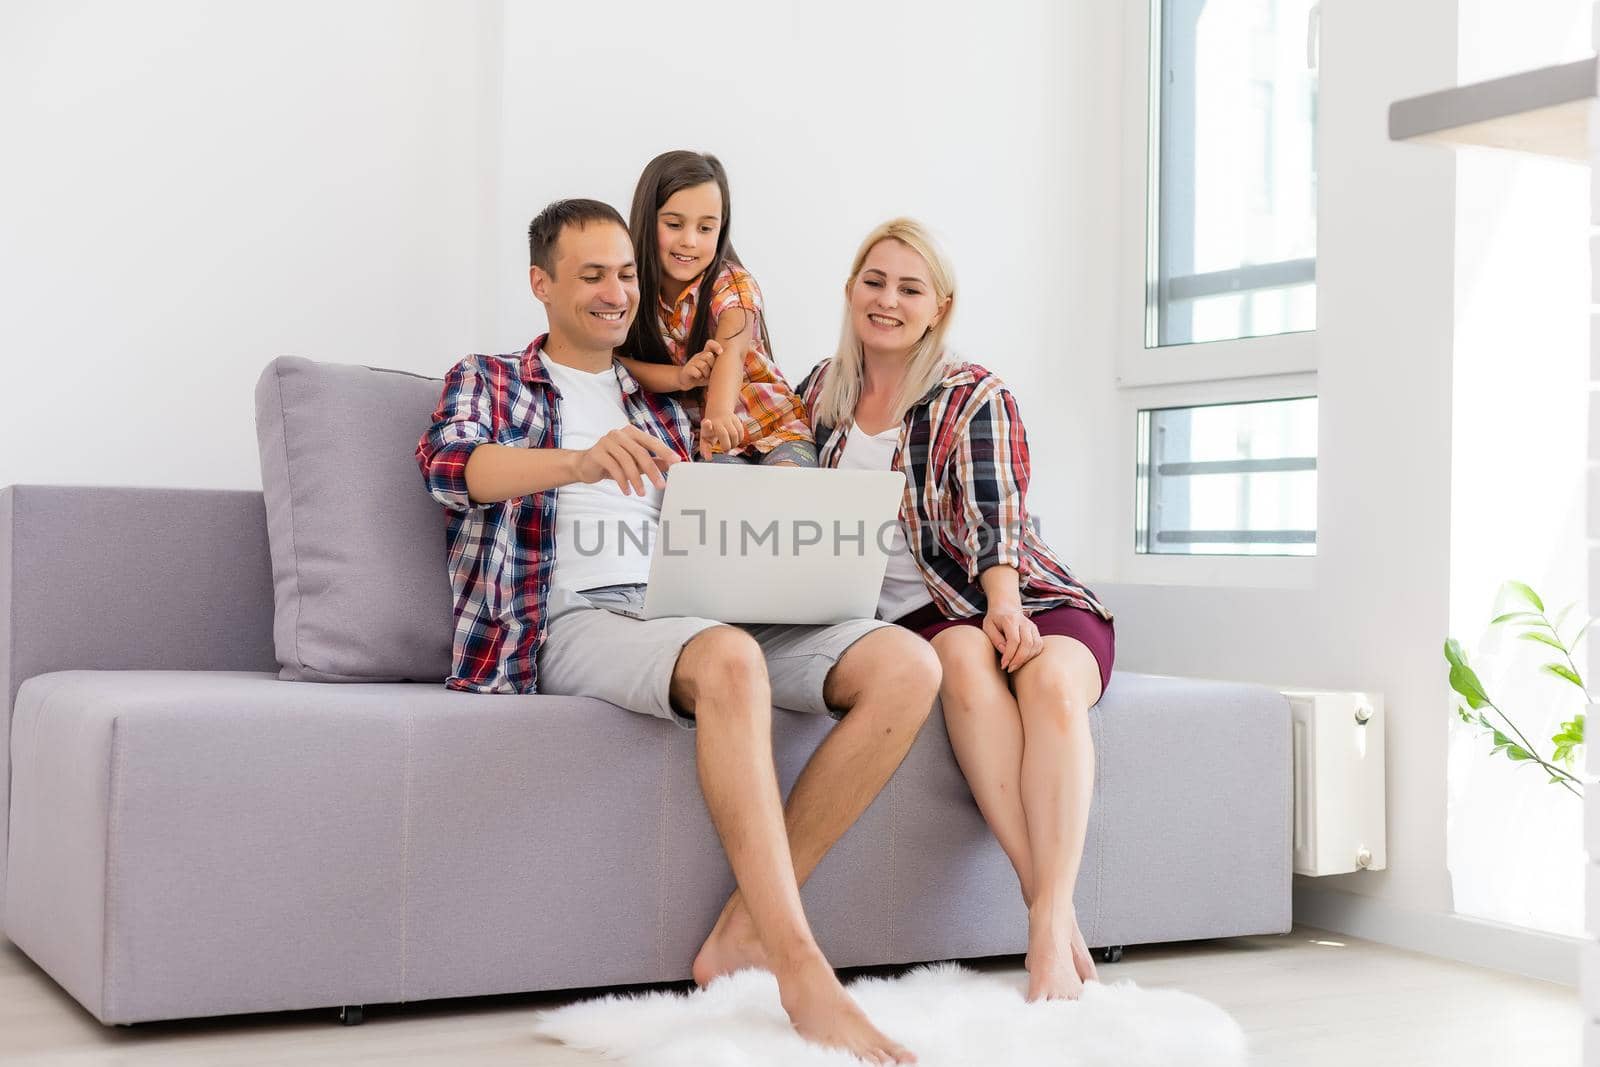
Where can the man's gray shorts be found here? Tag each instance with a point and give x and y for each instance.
(629, 662)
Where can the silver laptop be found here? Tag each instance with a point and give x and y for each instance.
(743, 543)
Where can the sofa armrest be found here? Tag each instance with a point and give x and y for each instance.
(130, 579)
(98, 578)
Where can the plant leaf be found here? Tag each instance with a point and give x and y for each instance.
(1517, 752)
(1561, 670)
(1573, 640)
(1543, 638)
(1561, 617)
(1511, 615)
(1571, 733)
(1465, 682)
(1522, 590)
(1453, 653)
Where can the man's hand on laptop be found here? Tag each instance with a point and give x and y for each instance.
(628, 456)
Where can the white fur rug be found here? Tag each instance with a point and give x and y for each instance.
(948, 1015)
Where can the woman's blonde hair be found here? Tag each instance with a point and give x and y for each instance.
(836, 404)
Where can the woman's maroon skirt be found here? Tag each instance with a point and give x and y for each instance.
(1065, 621)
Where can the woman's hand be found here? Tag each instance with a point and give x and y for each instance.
(1013, 634)
(696, 370)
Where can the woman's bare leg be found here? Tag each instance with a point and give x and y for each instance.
(1055, 691)
(985, 728)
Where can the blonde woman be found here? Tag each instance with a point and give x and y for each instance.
(1026, 648)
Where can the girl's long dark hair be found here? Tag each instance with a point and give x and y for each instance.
(663, 176)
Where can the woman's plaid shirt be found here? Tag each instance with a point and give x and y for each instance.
(965, 456)
(501, 555)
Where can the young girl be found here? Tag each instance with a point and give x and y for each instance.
(700, 319)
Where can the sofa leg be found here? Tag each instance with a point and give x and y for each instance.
(1111, 954)
(351, 1015)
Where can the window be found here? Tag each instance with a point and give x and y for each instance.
(1228, 479)
(1232, 207)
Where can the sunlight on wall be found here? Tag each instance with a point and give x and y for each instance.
(1520, 406)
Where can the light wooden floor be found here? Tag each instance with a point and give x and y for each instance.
(1307, 999)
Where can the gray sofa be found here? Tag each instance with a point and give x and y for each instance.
(190, 833)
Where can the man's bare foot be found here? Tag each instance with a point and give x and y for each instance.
(823, 1013)
(1052, 974)
(731, 946)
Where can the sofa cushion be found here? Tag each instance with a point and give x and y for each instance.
(374, 843)
(360, 590)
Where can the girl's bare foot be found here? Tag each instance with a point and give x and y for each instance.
(822, 1012)
(1052, 973)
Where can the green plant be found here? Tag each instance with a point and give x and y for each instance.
(1535, 626)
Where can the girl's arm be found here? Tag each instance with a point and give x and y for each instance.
(667, 377)
(721, 427)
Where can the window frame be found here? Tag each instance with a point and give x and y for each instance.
(1260, 571)
(1150, 483)
(1137, 364)
(1275, 367)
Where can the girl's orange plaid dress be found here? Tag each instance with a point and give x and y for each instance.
(771, 411)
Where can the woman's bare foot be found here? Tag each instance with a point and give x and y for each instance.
(1052, 973)
(731, 946)
(822, 1012)
(1082, 959)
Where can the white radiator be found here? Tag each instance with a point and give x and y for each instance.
(1338, 781)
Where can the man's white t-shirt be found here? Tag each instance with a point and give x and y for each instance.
(903, 588)
(603, 537)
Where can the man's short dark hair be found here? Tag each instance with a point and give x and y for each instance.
(545, 229)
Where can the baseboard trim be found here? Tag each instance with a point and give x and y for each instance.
(1533, 953)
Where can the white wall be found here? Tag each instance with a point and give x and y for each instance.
(191, 189)
(214, 185)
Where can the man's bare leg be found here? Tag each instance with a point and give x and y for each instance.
(888, 680)
(722, 678)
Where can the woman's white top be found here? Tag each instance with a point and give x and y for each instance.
(903, 588)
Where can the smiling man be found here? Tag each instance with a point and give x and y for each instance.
(550, 462)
